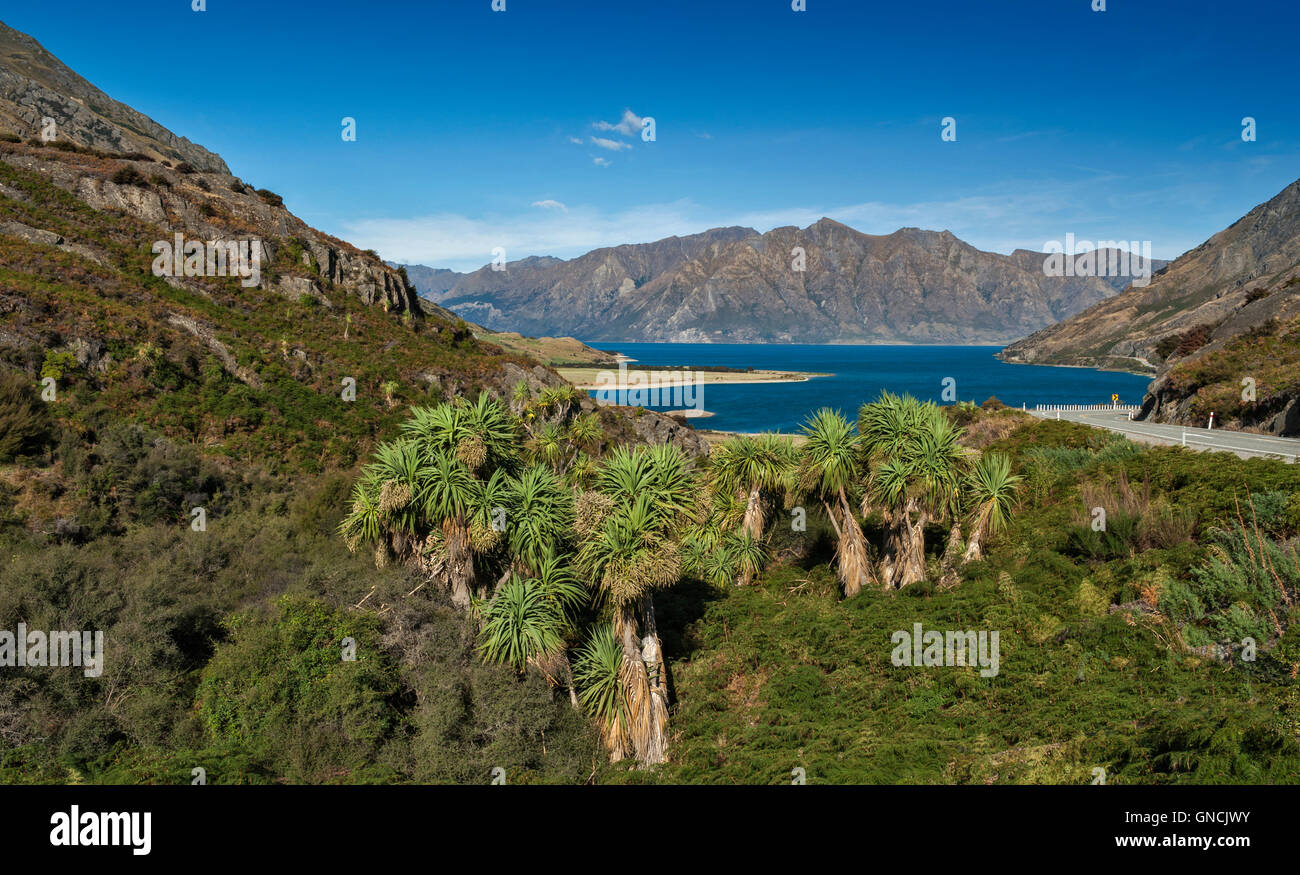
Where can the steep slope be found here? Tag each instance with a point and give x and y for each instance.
(257, 367)
(1219, 327)
(734, 284)
(1225, 284)
(35, 85)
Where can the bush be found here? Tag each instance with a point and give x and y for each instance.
(127, 176)
(58, 364)
(270, 197)
(283, 686)
(1271, 512)
(25, 423)
(1193, 339)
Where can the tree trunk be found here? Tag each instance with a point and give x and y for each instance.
(460, 561)
(644, 683)
(954, 540)
(753, 522)
(974, 549)
(911, 565)
(895, 537)
(852, 550)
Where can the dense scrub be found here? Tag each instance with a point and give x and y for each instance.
(224, 645)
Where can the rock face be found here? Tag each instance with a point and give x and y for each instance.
(1226, 284)
(35, 85)
(736, 285)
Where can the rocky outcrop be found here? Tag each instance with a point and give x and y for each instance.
(824, 283)
(131, 173)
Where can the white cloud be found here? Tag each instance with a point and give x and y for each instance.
(1034, 214)
(577, 141)
(463, 243)
(551, 205)
(629, 125)
(612, 145)
(601, 162)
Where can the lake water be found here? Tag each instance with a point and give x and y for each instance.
(861, 372)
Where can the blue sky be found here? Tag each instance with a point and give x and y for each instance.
(478, 129)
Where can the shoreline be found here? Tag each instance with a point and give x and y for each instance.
(1152, 376)
(671, 379)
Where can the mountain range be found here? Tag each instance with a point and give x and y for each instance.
(826, 283)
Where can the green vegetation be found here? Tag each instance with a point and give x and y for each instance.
(1269, 355)
(538, 593)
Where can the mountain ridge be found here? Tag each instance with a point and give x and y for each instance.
(734, 284)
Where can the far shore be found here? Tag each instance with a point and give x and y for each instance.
(586, 378)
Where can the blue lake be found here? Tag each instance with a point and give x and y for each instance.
(861, 372)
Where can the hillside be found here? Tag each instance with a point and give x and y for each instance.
(736, 285)
(1220, 313)
(79, 218)
(35, 85)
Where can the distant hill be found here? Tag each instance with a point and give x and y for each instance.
(735, 284)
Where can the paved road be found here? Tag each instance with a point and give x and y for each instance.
(1243, 444)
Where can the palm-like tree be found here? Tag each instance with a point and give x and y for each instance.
(541, 518)
(747, 554)
(918, 467)
(992, 490)
(628, 553)
(585, 432)
(753, 468)
(598, 672)
(830, 469)
(520, 395)
(521, 625)
(450, 500)
(390, 389)
(466, 454)
(559, 399)
(549, 446)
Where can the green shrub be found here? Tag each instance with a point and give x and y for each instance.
(283, 686)
(127, 176)
(57, 364)
(26, 427)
